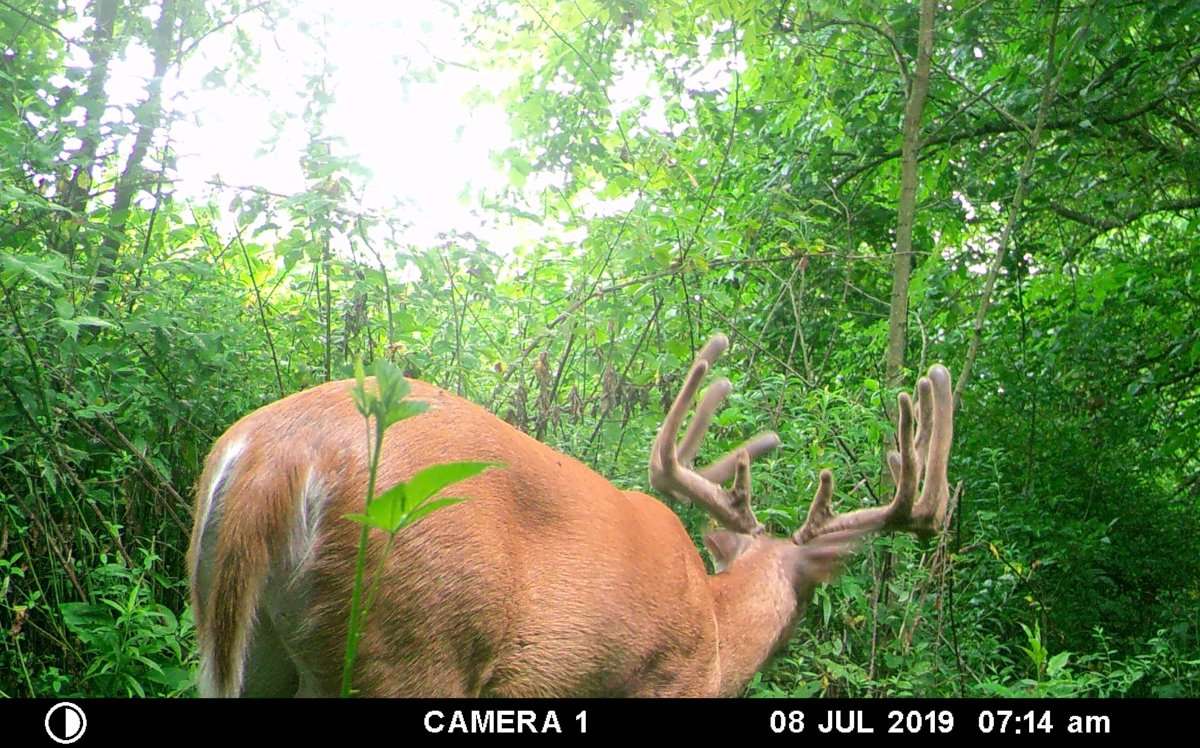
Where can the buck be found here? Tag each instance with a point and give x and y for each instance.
(550, 581)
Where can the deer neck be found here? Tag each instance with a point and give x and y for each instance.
(756, 608)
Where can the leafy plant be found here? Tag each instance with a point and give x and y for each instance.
(134, 646)
(402, 505)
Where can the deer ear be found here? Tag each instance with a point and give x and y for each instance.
(725, 546)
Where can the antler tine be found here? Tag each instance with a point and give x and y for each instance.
(819, 512)
(664, 445)
(822, 520)
(931, 508)
(713, 349)
(721, 470)
(741, 482)
(924, 422)
(925, 457)
(906, 485)
(713, 397)
(894, 465)
(695, 433)
(924, 425)
(671, 466)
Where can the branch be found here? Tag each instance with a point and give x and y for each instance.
(1001, 127)
(1181, 377)
(1054, 70)
(737, 85)
(983, 96)
(906, 209)
(34, 20)
(220, 26)
(1108, 223)
(264, 192)
(886, 33)
(587, 64)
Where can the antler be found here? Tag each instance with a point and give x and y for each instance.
(928, 457)
(671, 469)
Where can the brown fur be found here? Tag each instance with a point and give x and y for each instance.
(548, 581)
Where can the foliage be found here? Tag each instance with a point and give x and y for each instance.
(400, 506)
(683, 168)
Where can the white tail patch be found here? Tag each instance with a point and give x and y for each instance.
(210, 507)
(207, 524)
(309, 510)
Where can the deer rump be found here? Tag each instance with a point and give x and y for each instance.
(549, 581)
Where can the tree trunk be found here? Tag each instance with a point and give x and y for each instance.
(902, 259)
(918, 90)
(100, 50)
(148, 117)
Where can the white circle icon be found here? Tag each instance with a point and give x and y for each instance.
(65, 723)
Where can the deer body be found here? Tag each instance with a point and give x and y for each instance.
(549, 581)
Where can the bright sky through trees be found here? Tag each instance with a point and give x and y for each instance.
(414, 102)
(425, 145)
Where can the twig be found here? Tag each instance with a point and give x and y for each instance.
(1049, 93)
(262, 315)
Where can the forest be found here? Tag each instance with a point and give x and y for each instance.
(193, 224)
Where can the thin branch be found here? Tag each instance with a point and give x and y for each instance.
(262, 314)
(587, 64)
(983, 96)
(35, 20)
(219, 27)
(1000, 127)
(885, 32)
(1055, 70)
(737, 85)
(1108, 223)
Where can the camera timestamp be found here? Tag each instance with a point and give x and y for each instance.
(858, 721)
(966, 720)
(1040, 722)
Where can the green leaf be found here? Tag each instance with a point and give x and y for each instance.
(1057, 663)
(87, 319)
(433, 479)
(45, 271)
(362, 400)
(71, 327)
(392, 384)
(398, 492)
(430, 506)
(388, 513)
(404, 409)
(82, 615)
(385, 513)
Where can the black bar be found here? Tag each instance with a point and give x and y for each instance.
(367, 721)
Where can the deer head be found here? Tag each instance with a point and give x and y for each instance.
(811, 555)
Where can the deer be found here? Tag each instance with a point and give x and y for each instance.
(548, 582)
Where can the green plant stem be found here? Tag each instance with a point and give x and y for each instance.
(387, 551)
(24, 670)
(360, 563)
